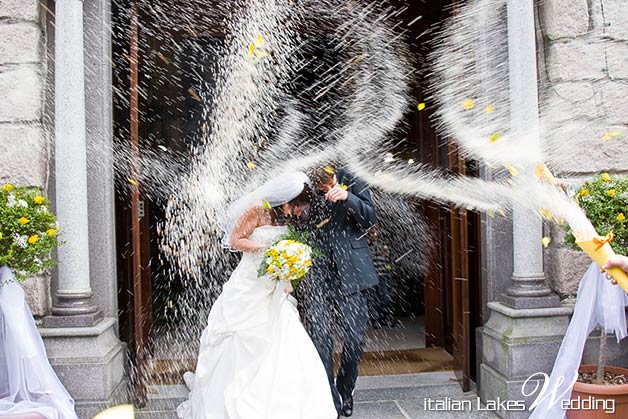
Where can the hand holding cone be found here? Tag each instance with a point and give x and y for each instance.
(601, 252)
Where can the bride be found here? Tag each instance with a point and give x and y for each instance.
(256, 360)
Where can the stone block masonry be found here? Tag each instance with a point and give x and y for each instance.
(23, 145)
(586, 47)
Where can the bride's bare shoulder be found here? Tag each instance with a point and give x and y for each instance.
(256, 216)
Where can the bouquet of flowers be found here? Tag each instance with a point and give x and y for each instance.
(604, 200)
(289, 259)
(28, 231)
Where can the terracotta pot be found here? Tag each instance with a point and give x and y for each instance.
(595, 397)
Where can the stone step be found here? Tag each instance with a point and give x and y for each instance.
(407, 386)
(142, 414)
(163, 399)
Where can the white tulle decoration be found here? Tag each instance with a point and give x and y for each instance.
(598, 302)
(28, 384)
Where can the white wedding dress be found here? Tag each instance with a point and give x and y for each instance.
(256, 361)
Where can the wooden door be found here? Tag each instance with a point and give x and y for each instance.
(133, 230)
(458, 281)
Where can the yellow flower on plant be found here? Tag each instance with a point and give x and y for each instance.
(584, 192)
(39, 199)
(468, 104)
(0, 236)
(51, 232)
(621, 216)
(7, 187)
(33, 239)
(605, 177)
(24, 220)
(611, 192)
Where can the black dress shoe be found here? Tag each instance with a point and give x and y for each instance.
(347, 407)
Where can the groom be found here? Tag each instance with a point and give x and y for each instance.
(335, 288)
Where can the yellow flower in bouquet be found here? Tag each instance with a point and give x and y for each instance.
(287, 260)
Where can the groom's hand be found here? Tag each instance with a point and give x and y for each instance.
(336, 194)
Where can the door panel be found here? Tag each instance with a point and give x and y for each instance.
(459, 281)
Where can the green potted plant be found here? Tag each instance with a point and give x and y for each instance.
(604, 199)
(28, 231)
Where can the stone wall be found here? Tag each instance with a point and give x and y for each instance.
(23, 144)
(586, 50)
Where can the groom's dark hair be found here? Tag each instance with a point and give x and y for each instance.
(322, 175)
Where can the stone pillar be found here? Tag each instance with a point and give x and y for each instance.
(72, 305)
(82, 346)
(525, 329)
(529, 289)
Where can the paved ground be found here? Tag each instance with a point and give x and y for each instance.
(377, 397)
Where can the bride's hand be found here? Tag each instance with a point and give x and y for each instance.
(288, 289)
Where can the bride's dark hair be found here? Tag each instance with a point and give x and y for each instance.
(304, 198)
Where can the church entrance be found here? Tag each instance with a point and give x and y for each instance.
(162, 62)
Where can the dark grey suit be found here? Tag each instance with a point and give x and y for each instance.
(334, 288)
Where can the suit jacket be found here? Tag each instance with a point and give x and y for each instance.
(342, 239)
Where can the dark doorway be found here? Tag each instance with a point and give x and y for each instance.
(174, 63)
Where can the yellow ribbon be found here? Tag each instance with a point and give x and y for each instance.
(601, 241)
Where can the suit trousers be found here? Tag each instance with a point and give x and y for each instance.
(346, 316)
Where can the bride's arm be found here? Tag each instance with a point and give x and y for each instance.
(244, 227)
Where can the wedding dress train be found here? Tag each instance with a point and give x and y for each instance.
(256, 361)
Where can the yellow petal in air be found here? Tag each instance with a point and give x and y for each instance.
(261, 54)
(496, 136)
(258, 41)
(330, 170)
(489, 109)
(251, 50)
(468, 104)
(251, 165)
(546, 241)
(511, 169)
(421, 106)
(607, 137)
(132, 182)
